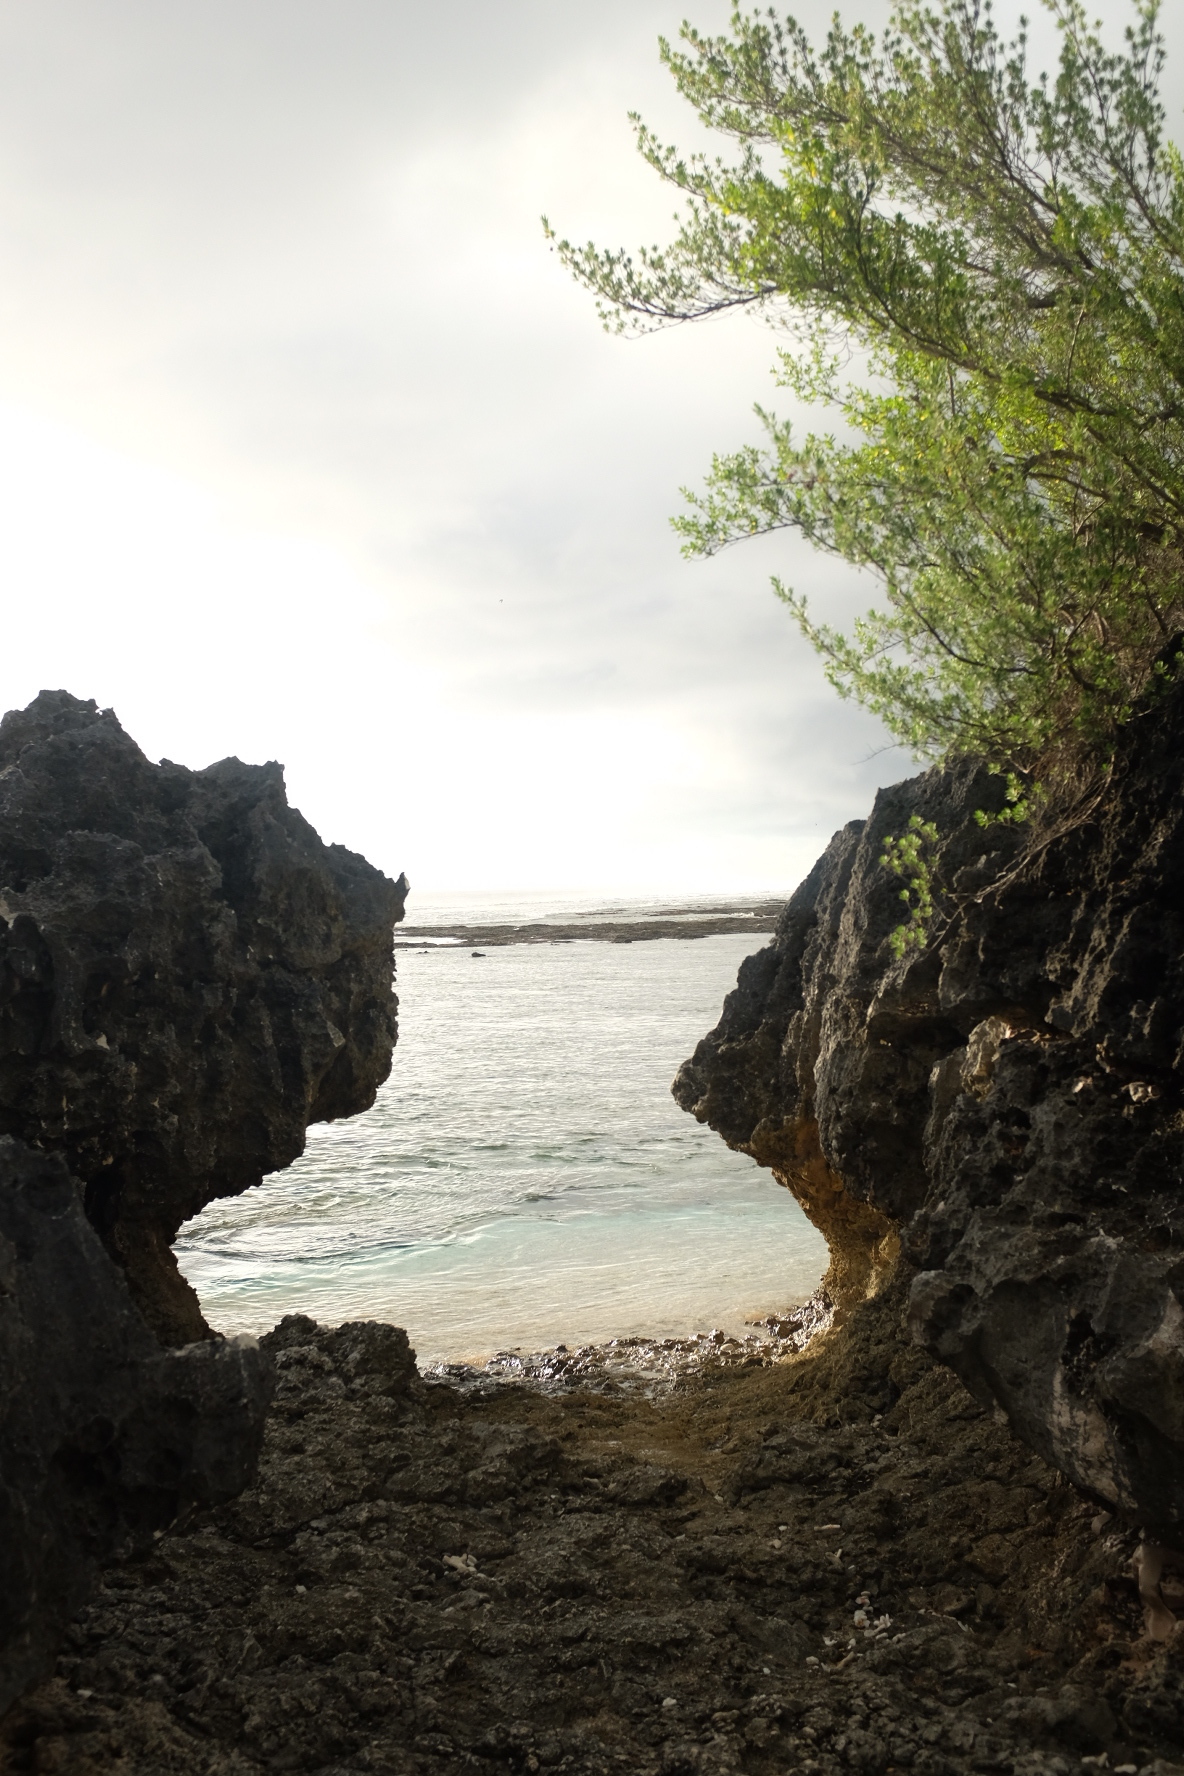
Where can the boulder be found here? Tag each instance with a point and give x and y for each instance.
(188, 978)
(999, 1111)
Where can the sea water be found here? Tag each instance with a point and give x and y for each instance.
(525, 1178)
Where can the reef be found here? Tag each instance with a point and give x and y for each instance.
(188, 977)
(611, 925)
(995, 1116)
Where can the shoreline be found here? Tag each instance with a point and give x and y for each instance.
(728, 920)
(639, 1364)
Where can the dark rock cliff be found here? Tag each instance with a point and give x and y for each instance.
(188, 978)
(998, 1116)
(104, 1435)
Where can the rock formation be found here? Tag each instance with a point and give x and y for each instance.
(997, 1114)
(104, 1435)
(750, 1572)
(188, 978)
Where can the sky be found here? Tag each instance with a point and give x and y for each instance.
(310, 450)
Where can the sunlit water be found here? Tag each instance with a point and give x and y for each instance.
(525, 1178)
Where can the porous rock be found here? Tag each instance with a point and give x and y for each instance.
(188, 978)
(104, 1435)
(998, 1112)
(739, 1571)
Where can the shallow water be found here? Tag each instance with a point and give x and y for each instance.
(525, 1178)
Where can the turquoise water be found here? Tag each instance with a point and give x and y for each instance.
(525, 1178)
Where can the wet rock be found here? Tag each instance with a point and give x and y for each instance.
(997, 1115)
(188, 978)
(104, 1436)
(645, 1365)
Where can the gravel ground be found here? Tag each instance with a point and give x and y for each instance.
(759, 1562)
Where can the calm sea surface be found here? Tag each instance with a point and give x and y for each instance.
(525, 1178)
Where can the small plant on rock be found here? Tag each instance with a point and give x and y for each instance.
(910, 856)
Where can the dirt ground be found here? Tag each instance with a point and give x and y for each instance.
(826, 1563)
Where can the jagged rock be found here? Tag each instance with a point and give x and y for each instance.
(104, 1435)
(188, 978)
(1000, 1111)
(427, 1578)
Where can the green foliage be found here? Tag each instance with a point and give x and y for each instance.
(909, 856)
(1018, 800)
(1002, 261)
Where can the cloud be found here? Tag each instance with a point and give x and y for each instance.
(312, 450)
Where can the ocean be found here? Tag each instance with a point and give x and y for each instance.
(525, 1178)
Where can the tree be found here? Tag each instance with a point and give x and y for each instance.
(984, 275)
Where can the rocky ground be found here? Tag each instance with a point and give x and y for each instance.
(817, 1563)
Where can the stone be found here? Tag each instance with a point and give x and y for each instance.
(362, 1606)
(994, 1118)
(188, 978)
(105, 1436)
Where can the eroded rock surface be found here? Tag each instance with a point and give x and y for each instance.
(188, 978)
(841, 1563)
(1000, 1112)
(104, 1435)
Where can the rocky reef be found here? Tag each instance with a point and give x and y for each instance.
(995, 1117)
(188, 978)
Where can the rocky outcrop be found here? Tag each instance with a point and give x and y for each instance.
(104, 1436)
(999, 1112)
(188, 978)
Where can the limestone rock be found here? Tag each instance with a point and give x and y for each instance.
(1001, 1110)
(104, 1435)
(188, 978)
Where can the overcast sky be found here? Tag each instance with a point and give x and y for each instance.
(309, 450)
